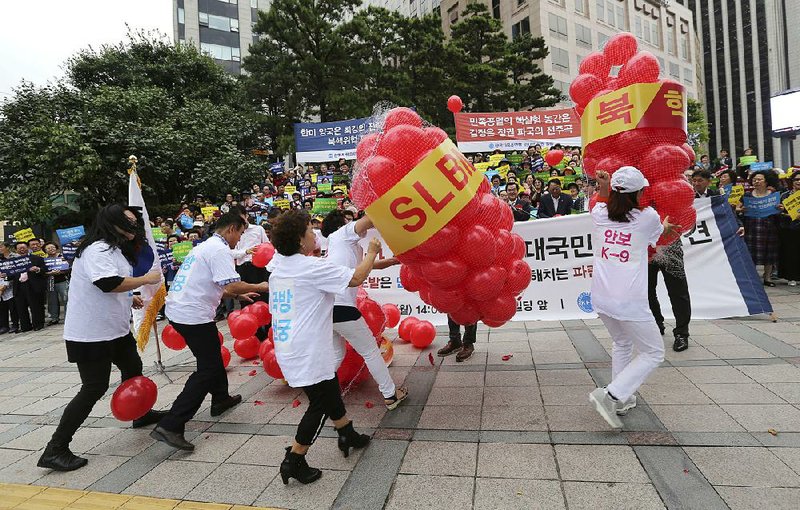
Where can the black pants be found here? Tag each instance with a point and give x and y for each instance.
(28, 297)
(94, 360)
(324, 399)
(470, 332)
(678, 291)
(253, 274)
(8, 308)
(210, 376)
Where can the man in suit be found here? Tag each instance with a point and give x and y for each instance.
(701, 179)
(723, 162)
(554, 203)
(520, 208)
(30, 289)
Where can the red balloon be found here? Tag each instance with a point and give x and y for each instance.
(246, 348)
(405, 146)
(260, 310)
(446, 300)
(689, 152)
(673, 195)
(366, 147)
(486, 284)
(406, 325)
(271, 366)
(134, 398)
(435, 135)
(221, 338)
(664, 162)
(467, 314)
(360, 192)
(595, 63)
(519, 277)
(465, 219)
(401, 116)
(422, 334)
(392, 314)
(493, 324)
(409, 280)
(172, 339)
(641, 68)
(455, 104)
(477, 247)
(554, 157)
(264, 348)
(584, 88)
(373, 315)
(243, 326)
(500, 309)
(440, 243)
(620, 48)
(445, 274)
(226, 356)
(263, 255)
(352, 370)
(233, 315)
(381, 174)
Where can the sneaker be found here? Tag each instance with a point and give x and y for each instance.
(605, 406)
(681, 343)
(465, 353)
(792, 283)
(623, 408)
(451, 348)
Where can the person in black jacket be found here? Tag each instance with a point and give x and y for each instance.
(30, 289)
(701, 179)
(554, 203)
(520, 208)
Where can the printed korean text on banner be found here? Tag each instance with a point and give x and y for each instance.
(324, 205)
(208, 212)
(748, 160)
(735, 194)
(165, 257)
(71, 234)
(68, 250)
(722, 279)
(328, 141)
(277, 168)
(792, 205)
(482, 132)
(56, 264)
(758, 167)
(24, 235)
(181, 250)
(16, 265)
(761, 207)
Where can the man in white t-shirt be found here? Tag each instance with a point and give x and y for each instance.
(207, 274)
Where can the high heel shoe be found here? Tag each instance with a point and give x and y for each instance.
(349, 438)
(294, 465)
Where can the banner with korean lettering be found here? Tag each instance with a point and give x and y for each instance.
(320, 142)
(482, 132)
(722, 278)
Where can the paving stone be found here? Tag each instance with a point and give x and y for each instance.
(695, 418)
(522, 378)
(567, 395)
(459, 379)
(611, 496)
(716, 439)
(790, 456)
(453, 396)
(298, 496)
(325, 454)
(667, 375)
(759, 498)
(511, 395)
(575, 418)
(760, 418)
(23, 470)
(548, 357)
(440, 458)
(511, 494)
(513, 417)
(171, 479)
(790, 392)
(370, 482)
(772, 373)
(752, 393)
(502, 460)
(564, 377)
(127, 443)
(233, 483)
(98, 467)
(414, 492)
(261, 451)
(608, 464)
(749, 467)
(451, 417)
(34, 440)
(212, 447)
(673, 394)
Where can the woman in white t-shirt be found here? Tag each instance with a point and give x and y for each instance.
(97, 325)
(621, 236)
(302, 291)
(344, 250)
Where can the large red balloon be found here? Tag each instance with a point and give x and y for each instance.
(243, 326)
(366, 147)
(500, 309)
(392, 314)
(595, 63)
(172, 339)
(519, 277)
(620, 48)
(233, 315)
(664, 162)
(487, 284)
(439, 244)
(467, 314)
(642, 68)
(260, 310)
(406, 325)
(446, 273)
(477, 247)
(422, 334)
(271, 366)
(401, 116)
(134, 398)
(373, 316)
(584, 88)
(554, 157)
(264, 348)
(455, 104)
(446, 300)
(226, 356)
(405, 146)
(246, 348)
(263, 255)
(409, 280)
(352, 370)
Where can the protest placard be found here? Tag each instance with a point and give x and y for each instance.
(24, 235)
(484, 166)
(341, 187)
(758, 167)
(68, 250)
(735, 195)
(180, 250)
(158, 235)
(208, 212)
(281, 204)
(748, 160)
(56, 264)
(16, 265)
(324, 205)
(68, 235)
(324, 187)
(792, 205)
(503, 170)
(761, 207)
(494, 159)
(515, 159)
(290, 189)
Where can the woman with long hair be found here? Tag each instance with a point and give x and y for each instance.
(623, 232)
(97, 325)
(302, 291)
(761, 232)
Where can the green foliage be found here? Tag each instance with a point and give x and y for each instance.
(697, 126)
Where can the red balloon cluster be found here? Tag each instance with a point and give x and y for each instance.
(260, 310)
(243, 324)
(352, 371)
(661, 154)
(420, 333)
(172, 339)
(246, 348)
(472, 268)
(373, 315)
(263, 254)
(266, 352)
(134, 398)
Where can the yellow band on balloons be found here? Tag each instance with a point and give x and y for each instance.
(641, 105)
(426, 199)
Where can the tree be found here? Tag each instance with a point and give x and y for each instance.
(697, 127)
(172, 107)
(528, 86)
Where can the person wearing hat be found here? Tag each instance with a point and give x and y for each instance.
(623, 232)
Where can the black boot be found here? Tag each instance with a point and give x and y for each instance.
(349, 438)
(60, 459)
(294, 465)
(149, 418)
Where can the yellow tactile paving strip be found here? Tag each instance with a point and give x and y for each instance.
(34, 497)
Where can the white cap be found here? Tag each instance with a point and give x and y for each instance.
(628, 179)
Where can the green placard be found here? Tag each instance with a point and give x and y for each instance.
(180, 250)
(748, 160)
(158, 235)
(515, 159)
(324, 187)
(324, 205)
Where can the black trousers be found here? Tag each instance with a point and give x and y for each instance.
(470, 332)
(678, 291)
(253, 274)
(210, 376)
(8, 308)
(94, 360)
(324, 399)
(27, 297)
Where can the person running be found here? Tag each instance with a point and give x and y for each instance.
(207, 274)
(619, 287)
(97, 325)
(343, 250)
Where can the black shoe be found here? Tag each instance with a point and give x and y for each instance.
(661, 329)
(174, 439)
(38, 328)
(23, 330)
(149, 418)
(465, 353)
(349, 438)
(221, 407)
(13, 329)
(3, 331)
(451, 348)
(295, 466)
(60, 459)
(681, 343)
(769, 283)
(160, 317)
(53, 322)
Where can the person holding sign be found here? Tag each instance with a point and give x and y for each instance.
(623, 233)
(761, 225)
(30, 288)
(58, 285)
(7, 305)
(789, 259)
(97, 328)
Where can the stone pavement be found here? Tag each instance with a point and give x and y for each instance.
(717, 426)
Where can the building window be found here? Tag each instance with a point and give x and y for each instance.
(452, 14)
(661, 63)
(520, 3)
(181, 15)
(579, 59)
(675, 70)
(601, 10)
(685, 46)
(620, 10)
(601, 40)
(580, 6)
(670, 39)
(234, 25)
(222, 23)
(202, 17)
(583, 35)
(688, 75)
(559, 3)
(562, 86)
(558, 26)
(254, 4)
(637, 27)
(610, 12)
(496, 9)
(521, 28)
(560, 60)
(220, 52)
(236, 55)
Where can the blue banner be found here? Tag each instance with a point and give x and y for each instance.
(68, 235)
(277, 168)
(56, 264)
(761, 207)
(328, 141)
(68, 250)
(758, 166)
(16, 265)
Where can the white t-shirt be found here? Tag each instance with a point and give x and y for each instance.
(94, 315)
(301, 295)
(619, 281)
(197, 289)
(252, 236)
(344, 250)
